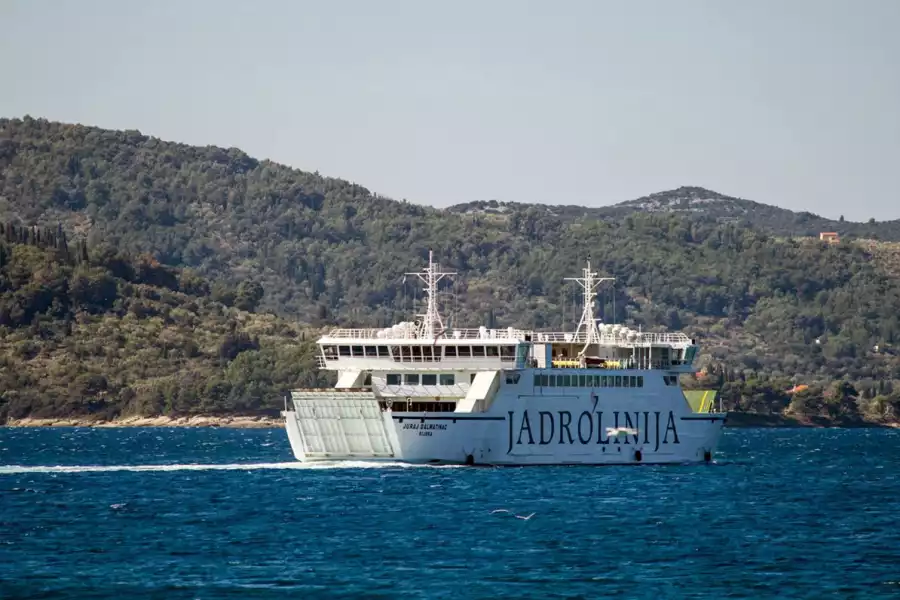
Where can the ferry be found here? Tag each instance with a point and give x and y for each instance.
(419, 392)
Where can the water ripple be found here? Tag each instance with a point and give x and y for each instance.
(211, 513)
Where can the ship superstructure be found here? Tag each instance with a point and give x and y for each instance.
(424, 393)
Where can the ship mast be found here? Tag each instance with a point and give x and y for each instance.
(589, 282)
(431, 320)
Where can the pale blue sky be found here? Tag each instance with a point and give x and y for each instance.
(791, 102)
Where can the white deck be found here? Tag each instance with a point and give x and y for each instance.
(627, 338)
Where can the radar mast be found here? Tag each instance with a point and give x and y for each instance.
(431, 325)
(589, 282)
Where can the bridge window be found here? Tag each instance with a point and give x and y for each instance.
(465, 351)
(371, 351)
(581, 381)
(416, 353)
(447, 379)
(551, 380)
(512, 378)
(507, 353)
(426, 353)
(618, 381)
(450, 351)
(344, 350)
(626, 381)
(411, 379)
(383, 351)
(477, 351)
(395, 350)
(330, 352)
(358, 351)
(493, 351)
(393, 379)
(429, 379)
(640, 381)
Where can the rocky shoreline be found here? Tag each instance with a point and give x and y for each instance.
(735, 420)
(749, 420)
(237, 422)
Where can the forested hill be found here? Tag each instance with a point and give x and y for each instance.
(108, 335)
(700, 203)
(328, 251)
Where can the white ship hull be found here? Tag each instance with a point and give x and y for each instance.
(556, 427)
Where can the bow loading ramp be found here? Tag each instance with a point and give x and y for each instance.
(337, 423)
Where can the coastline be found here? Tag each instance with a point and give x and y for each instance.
(758, 420)
(735, 420)
(236, 422)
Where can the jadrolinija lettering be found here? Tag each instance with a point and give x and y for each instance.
(561, 427)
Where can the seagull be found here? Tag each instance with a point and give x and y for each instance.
(620, 431)
(503, 510)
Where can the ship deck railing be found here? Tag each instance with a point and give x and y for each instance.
(412, 334)
(607, 339)
(618, 365)
(631, 338)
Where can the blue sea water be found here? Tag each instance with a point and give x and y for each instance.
(219, 513)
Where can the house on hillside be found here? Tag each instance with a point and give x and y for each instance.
(829, 236)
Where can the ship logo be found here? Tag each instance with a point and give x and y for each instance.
(545, 427)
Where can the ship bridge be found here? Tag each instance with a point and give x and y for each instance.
(428, 344)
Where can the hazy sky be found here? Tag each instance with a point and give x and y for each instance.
(789, 102)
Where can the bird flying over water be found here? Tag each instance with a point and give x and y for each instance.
(503, 510)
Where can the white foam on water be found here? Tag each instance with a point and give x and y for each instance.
(344, 464)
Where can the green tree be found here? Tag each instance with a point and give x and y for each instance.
(249, 294)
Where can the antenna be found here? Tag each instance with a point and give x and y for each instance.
(431, 319)
(589, 282)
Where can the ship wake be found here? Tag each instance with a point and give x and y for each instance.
(24, 469)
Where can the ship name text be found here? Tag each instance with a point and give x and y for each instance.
(563, 427)
(426, 429)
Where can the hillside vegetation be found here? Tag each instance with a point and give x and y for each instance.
(106, 336)
(696, 202)
(771, 312)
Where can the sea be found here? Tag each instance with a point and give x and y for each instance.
(226, 513)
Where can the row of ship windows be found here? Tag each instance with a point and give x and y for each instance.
(410, 406)
(541, 380)
(420, 353)
(423, 378)
(589, 381)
